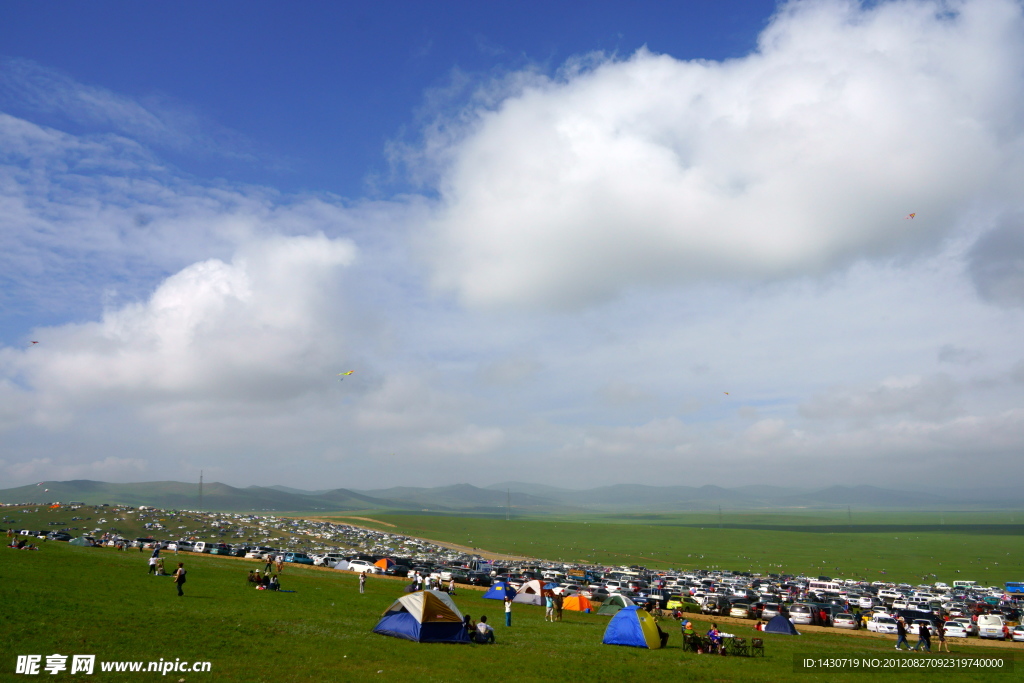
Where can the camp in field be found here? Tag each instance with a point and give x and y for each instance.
(424, 616)
(633, 627)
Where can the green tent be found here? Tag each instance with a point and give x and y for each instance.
(82, 540)
(613, 604)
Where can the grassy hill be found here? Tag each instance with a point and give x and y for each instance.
(67, 600)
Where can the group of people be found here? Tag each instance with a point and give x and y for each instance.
(924, 636)
(431, 583)
(22, 545)
(482, 632)
(265, 581)
(552, 606)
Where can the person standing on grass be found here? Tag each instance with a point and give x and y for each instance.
(270, 564)
(362, 582)
(549, 608)
(152, 565)
(558, 607)
(179, 578)
(508, 610)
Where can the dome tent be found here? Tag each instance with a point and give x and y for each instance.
(780, 624)
(498, 591)
(424, 616)
(633, 627)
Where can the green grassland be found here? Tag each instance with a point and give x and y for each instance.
(971, 547)
(71, 600)
(987, 547)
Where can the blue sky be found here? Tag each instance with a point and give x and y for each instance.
(671, 243)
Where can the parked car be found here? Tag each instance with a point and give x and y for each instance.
(770, 609)
(801, 613)
(739, 610)
(969, 626)
(1017, 634)
(882, 624)
(845, 620)
(362, 566)
(955, 629)
(298, 558)
(990, 626)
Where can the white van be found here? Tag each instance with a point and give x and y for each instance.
(990, 626)
(201, 547)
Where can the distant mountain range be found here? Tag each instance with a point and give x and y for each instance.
(522, 497)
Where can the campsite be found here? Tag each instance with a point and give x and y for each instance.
(77, 600)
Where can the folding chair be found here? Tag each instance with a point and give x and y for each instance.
(757, 647)
(739, 647)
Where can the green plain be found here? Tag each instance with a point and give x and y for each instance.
(70, 600)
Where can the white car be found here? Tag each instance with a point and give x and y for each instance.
(361, 566)
(969, 626)
(882, 624)
(844, 620)
(954, 629)
(1017, 634)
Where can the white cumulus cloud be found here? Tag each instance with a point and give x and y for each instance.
(801, 157)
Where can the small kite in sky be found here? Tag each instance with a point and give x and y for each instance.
(726, 393)
(910, 215)
(341, 375)
(35, 342)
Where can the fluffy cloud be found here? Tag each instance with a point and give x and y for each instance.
(801, 157)
(250, 328)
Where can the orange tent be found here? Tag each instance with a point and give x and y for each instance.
(577, 603)
(384, 563)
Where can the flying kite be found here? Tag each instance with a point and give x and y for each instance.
(35, 342)
(910, 215)
(341, 375)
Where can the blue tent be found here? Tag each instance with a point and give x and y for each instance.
(781, 624)
(424, 617)
(633, 627)
(498, 591)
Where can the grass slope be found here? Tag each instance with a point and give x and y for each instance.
(70, 600)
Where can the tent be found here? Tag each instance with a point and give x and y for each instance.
(633, 627)
(531, 593)
(384, 563)
(341, 565)
(577, 603)
(425, 617)
(82, 540)
(781, 624)
(614, 603)
(498, 591)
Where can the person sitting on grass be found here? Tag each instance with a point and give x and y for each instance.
(484, 632)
